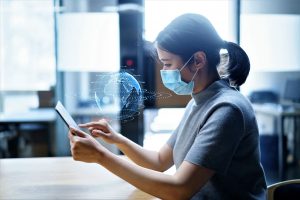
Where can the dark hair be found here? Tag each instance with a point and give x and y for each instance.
(190, 33)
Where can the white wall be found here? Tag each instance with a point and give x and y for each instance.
(271, 79)
(270, 6)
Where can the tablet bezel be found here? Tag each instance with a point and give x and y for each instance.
(64, 114)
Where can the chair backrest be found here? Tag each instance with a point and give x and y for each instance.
(285, 190)
(291, 86)
(46, 98)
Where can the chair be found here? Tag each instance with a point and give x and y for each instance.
(285, 190)
(7, 145)
(3, 142)
(46, 98)
(263, 96)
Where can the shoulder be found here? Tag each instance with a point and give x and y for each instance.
(234, 105)
(232, 98)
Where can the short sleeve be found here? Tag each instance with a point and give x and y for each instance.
(218, 139)
(172, 140)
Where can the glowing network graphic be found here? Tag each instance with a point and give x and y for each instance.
(124, 89)
(120, 93)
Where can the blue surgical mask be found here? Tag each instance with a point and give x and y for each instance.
(172, 80)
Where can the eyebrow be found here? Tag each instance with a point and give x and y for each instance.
(164, 59)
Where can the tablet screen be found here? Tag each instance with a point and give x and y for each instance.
(64, 114)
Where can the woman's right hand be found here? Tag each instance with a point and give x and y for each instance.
(103, 130)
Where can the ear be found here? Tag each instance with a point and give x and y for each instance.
(200, 60)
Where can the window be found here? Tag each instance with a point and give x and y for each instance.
(27, 55)
(159, 13)
(271, 41)
(88, 42)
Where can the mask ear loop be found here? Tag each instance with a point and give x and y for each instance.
(186, 62)
(195, 74)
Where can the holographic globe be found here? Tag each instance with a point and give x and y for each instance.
(121, 90)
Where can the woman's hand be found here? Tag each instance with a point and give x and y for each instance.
(85, 148)
(103, 130)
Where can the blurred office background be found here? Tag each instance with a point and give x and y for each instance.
(54, 50)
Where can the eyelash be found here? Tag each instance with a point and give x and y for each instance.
(167, 65)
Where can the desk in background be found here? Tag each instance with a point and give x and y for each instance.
(35, 115)
(42, 116)
(62, 178)
(280, 114)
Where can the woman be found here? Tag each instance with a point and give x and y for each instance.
(215, 148)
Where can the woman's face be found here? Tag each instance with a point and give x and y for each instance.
(171, 62)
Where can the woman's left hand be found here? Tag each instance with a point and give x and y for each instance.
(85, 148)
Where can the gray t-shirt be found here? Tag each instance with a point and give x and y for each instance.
(218, 131)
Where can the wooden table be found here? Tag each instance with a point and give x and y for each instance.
(62, 178)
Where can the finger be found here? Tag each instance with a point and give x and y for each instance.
(89, 124)
(73, 139)
(101, 122)
(99, 133)
(70, 136)
(96, 133)
(91, 129)
(78, 132)
(72, 132)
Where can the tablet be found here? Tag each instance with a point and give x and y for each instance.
(64, 114)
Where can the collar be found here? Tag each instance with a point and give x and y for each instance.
(211, 90)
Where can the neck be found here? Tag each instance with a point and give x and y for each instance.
(204, 79)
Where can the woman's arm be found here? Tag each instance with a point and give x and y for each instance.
(159, 161)
(188, 179)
